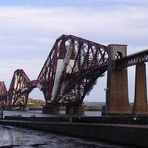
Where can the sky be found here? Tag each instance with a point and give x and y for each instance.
(29, 28)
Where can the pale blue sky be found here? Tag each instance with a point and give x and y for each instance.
(29, 28)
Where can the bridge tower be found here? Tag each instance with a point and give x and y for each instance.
(117, 101)
(140, 101)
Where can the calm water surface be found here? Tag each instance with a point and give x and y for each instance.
(40, 114)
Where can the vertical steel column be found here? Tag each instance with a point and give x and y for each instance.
(69, 110)
(117, 83)
(140, 101)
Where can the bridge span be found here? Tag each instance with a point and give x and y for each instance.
(71, 70)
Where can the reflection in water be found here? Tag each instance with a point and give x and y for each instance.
(9, 136)
(24, 138)
(5, 139)
(15, 138)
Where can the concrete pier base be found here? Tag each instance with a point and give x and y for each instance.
(140, 102)
(51, 108)
(78, 110)
(69, 110)
(75, 110)
(17, 108)
(23, 108)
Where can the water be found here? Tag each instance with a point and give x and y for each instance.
(14, 137)
(40, 114)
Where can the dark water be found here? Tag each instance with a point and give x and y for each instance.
(14, 137)
(40, 114)
(23, 138)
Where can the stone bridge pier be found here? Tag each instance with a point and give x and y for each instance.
(140, 100)
(117, 101)
(77, 109)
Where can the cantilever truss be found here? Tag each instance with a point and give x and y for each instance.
(3, 94)
(71, 69)
(18, 91)
(69, 73)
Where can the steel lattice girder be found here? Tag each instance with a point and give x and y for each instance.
(81, 63)
(3, 94)
(70, 71)
(19, 90)
(133, 59)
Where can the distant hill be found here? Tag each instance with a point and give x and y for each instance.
(93, 106)
(35, 103)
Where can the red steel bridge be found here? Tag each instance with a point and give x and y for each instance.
(71, 70)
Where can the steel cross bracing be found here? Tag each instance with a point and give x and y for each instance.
(3, 94)
(69, 73)
(71, 69)
(19, 90)
(133, 59)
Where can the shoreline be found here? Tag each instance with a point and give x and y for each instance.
(132, 134)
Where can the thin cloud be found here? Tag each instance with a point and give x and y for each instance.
(33, 22)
